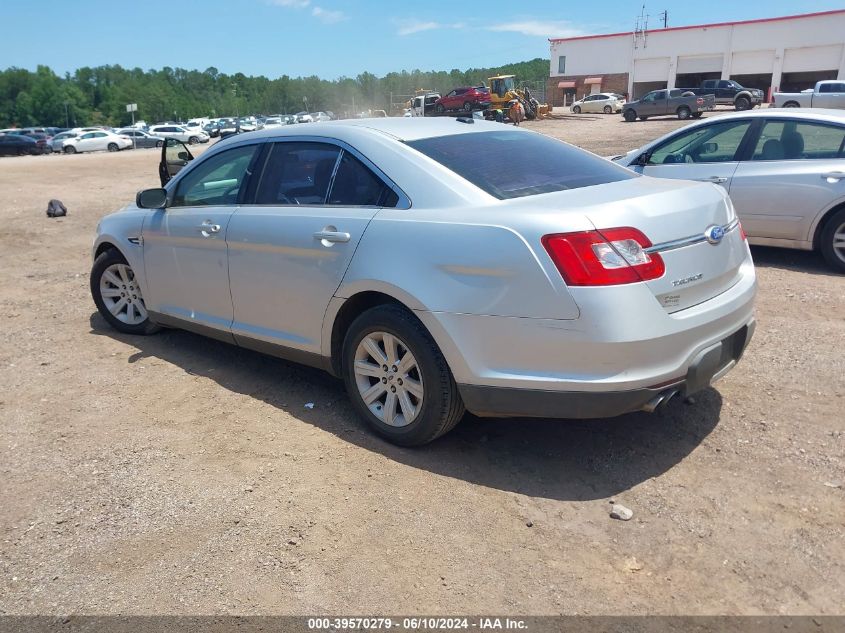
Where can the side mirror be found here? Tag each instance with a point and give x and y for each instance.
(644, 159)
(709, 148)
(151, 199)
(184, 156)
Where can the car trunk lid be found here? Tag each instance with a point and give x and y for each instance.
(695, 231)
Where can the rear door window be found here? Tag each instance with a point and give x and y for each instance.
(356, 185)
(791, 140)
(512, 164)
(297, 173)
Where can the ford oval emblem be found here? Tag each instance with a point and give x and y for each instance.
(714, 234)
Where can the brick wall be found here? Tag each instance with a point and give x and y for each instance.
(610, 83)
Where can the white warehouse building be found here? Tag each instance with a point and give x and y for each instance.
(787, 53)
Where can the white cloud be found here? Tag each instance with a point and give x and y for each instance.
(328, 17)
(409, 27)
(539, 28)
(294, 4)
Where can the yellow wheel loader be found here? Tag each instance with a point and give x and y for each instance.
(503, 90)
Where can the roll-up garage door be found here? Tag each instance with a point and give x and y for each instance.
(810, 58)
(700, 64)
(654, 69)
(752, 62)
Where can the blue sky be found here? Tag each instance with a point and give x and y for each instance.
(329, 38)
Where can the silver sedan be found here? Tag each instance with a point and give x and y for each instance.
(403, 256)
(784, 170)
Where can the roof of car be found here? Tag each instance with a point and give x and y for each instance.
(400, 128)
(816, 114)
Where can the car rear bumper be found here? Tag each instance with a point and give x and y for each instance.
(622, 351)
(708, 366)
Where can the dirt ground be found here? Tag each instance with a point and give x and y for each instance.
(174, 474)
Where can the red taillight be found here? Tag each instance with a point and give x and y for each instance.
(603, 258)
(742, 232)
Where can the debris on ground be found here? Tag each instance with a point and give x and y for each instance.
(618, 511)
(55, 209)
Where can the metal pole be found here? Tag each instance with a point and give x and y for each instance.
(67, 118)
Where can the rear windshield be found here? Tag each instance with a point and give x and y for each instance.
(511, 164)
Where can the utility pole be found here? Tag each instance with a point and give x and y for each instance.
(237, 107)
(665, 17)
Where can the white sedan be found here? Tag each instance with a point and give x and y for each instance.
(606, 102)
(180, 134)
(96, 141)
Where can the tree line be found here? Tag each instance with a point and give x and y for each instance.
(98, 96)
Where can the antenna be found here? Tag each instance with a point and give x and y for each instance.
(641, 29)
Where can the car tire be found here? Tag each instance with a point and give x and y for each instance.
(832, 234)
(70, 149)
(576, 109)
(159, 144)
(684, 113)
(791, 104)
(608, 110)
(467, 106)
(630, 116)
(743, 103)
(439, 108)
(382, 397)
(117, 294)
(112, 147)
(193, 140)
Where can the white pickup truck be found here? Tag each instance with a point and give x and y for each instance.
(827, 94)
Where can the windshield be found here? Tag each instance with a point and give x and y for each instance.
(535, 163)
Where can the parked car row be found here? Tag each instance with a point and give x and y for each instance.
(675, 101)
(73, 141)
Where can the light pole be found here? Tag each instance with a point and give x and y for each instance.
(67, 118)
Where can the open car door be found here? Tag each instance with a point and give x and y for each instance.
(174, 156)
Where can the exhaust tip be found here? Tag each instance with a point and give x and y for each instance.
(659, 401)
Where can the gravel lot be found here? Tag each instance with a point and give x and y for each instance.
(174, 474)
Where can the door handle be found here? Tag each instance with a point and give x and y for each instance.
(208, 227)
(833, 175)
(332, 236)
(719, 180)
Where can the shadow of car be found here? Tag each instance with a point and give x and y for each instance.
(572, 460)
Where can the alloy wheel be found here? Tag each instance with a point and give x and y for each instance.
(839, 242)
(388, 378)
(121, 294)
